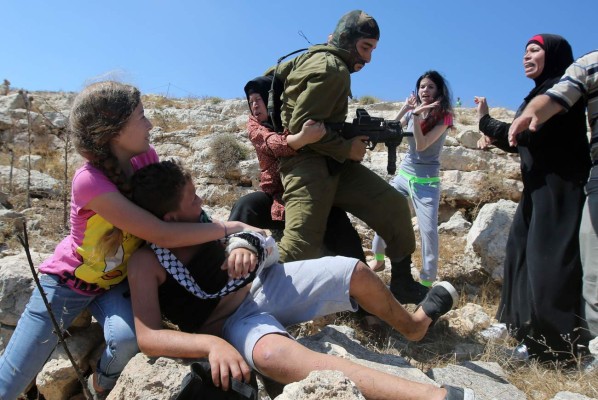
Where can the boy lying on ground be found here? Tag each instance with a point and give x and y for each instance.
(238, 290)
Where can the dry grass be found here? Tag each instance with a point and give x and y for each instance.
(54, 166)
(489, 190)
(47, 214)
(224, 200)
(367, 100)
(466, 117)
(163, 113)
(213, 99)
(226, 152)
(167, 120)
(541, 382)
(203, 130)
(161, 102)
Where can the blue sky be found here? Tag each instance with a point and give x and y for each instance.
(211, 48)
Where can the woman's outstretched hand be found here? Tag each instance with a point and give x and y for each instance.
(425, 107)
(484, 142)
(411, 101)
(482, 106)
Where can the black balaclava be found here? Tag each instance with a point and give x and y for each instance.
(261, 85)
(351, 27)
(558, 55)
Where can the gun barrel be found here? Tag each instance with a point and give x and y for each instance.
(391, 163)
(378, 130)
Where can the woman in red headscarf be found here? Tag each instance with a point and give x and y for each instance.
(542, 271)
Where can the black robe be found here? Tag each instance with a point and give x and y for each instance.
(541, 294)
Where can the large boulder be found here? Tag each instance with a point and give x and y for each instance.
(470, 188)
(340, 341)
(16, 284)
(147, 378)
(11, 102)
(41, 185)
(58, 379)
(464, 159)
(322, 385)
(6, 121)
(487, 379)
(571, 396)
(469, 138)
(11, 221)
(35, 160)
(456, 225)
(487, 238)
(468, 320)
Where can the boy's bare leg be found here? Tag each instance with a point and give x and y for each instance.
(284, 360)
(373, 295)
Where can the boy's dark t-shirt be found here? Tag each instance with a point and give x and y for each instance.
(184, 309)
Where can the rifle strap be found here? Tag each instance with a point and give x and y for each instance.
(270, 102)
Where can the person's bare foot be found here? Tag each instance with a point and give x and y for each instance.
(377, 265)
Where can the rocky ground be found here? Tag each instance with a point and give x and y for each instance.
(480, 190)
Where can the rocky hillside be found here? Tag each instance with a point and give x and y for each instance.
(479, 194)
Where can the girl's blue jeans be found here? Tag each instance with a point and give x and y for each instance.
(34, 340)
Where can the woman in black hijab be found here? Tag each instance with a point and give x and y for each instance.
(542, 271)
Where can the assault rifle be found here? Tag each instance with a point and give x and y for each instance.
(378, 130)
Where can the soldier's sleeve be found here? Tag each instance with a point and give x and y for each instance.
(325, 96)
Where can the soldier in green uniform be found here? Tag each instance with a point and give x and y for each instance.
(328, 173)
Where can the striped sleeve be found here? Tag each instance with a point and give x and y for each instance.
(580, 80)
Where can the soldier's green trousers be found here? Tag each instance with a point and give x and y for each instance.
(310, 191)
